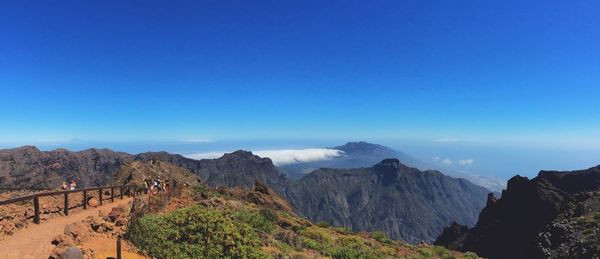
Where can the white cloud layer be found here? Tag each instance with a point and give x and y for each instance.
(207, 155)
(283, 156)
(292, 156)
(466, 162)
(454, 140)
(197, 141)
(447, 161)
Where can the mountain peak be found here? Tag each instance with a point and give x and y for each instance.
(391, 163)
(29, 148)
(360, 145)
(240, 154)
(366, 148)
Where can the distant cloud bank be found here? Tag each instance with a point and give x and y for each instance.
(466, 162)
(455, 140)
(283, 156)
(197, 141)
(447, 161)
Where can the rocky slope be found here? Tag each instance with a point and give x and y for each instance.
(406, 203)
(554, 215)
(29, 167)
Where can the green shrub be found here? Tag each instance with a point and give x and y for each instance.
(318, 234)
(323, 224)
(195, 233)
(269, 214)
(426, 252)
(379, 236)
(470, 255)
(597, 215)
(200, 189)
(344, 230)
(311, 244)
(344, 252)
(256, 219)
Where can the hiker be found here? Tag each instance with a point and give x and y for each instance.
(167, 185)
(73, 185)
(146, 187)
(158, 184)
(64, 186)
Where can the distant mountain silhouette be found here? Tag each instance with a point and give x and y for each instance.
(554, 215)
(364, 154)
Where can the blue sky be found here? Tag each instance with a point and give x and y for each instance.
(503, 74)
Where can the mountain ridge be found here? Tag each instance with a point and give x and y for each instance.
(242, 168)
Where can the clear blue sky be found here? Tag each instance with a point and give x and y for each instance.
(492, 71)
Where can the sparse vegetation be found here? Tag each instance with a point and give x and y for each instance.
(323, 224)
(196, 233)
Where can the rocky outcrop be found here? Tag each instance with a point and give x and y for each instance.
(453, 236)
(554, 215)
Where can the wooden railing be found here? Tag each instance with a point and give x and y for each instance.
(23, 189)
(36, 197)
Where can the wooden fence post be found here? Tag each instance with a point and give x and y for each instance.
(85, 199)
(36, 210)
(100, 196)
(66, 209)
(118, 247)
(112, 194)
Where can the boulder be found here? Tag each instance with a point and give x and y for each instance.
(78, 231)
(122, 221)
(95, 222)
(63, 240)
(115, 214)
(7, 227)
(261, 188)
(93, 202)
(72, 253)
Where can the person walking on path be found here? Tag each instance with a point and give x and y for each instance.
(73, 185)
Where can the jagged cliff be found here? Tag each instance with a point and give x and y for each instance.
(554, 215)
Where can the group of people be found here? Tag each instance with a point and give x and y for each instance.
(71, 186)
(156, 186)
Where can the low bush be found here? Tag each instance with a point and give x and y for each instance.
(269, 214)
(381, 237)
(470, 255)
(597, 215)
(323, 224)
(256, 219)
(195, 233)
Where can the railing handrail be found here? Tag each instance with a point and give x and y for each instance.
(52, 193)
(23, 188)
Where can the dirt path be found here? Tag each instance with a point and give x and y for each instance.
(33, 242)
